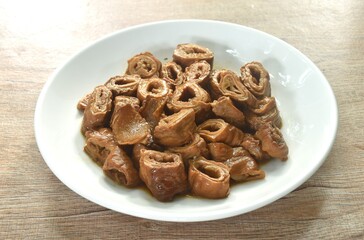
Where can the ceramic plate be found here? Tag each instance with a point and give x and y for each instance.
(305, 100)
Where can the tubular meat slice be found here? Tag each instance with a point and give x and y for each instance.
(123, 85)
(172, 73)
(197, 147)
(272, 141)
(186, 54)
(227, 83)
(220, 151)
(145, 65)
(265, 112)
(243, 167)
(163, 173)
(120, 101)
(154, 87)
(82, 104)
(152, 109)
(177, 129)
(98, 110)
(256, 78)
(198, 72)
(224, 108)
(119, 167)
(128, 126)
(208, 178)
(217, 130)
(191, 95)
(254, 147)
(99, 144)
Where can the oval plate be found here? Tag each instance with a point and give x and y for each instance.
(305, 100)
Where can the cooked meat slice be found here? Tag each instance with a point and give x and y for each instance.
(172, 73)
(163, 174)
(242, 167)
(220, 151)
(154, 87)
(176, 130)
(272, 141)
(82, 104)
(120, 101)
(186, 54)
(137, 148)
(123, 85)
(224, 108)
(197, 147)
(191, 95)
(128, 126)
(208, 178)
(265, 111)
(152, 110)
(119, 167)
(217, 130)
(227, 83)
(99, 144)
(145, 65)
(198, 72)
(256, 78)
(254, 147)
(98, 110)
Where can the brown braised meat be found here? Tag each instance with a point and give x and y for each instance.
(198, 72)
(172, 73)
(265, 111)
(208, 178)
(99, 144)
(254, 147)
(119, 167)
(220, 151)
(242, 167)
(154, 87)
(123, 85)
(186, 54)
(256, 78)
(272, 141)
(177, 129)
(227, 83)
(128, 126)
(163, 174)
(123, 100)
(191, 95)
(197, 147)
(98, 110)
(82, 104)
(152, 110)
(217, 130)
(224, 108)
(145, 65)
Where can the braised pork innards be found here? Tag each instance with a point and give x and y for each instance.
(183, 127)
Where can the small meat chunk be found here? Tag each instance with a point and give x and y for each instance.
(146, 65)
(188, 53)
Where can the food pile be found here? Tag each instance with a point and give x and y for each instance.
(182, 127)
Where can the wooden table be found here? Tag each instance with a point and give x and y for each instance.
(37, 36)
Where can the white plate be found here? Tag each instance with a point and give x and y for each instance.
(305, 99)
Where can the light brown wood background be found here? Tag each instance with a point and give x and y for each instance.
(37, 36)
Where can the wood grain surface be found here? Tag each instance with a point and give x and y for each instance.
(37, 36)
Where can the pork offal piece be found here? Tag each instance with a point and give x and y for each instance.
(154, 87)
(198, 72)
(242, 167)
(177, 129)
(256, 78)
(272, 141)
(225, 108)
(163, 174)
(209, 179)
(98, 110)
(99, 144)
(254, 146)
(128, 126)
(217, 130)
(220, 152)
(172, 73)
(119, 167)
(152, 109)
(186, 54)
(123, 85)
(145, 65)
